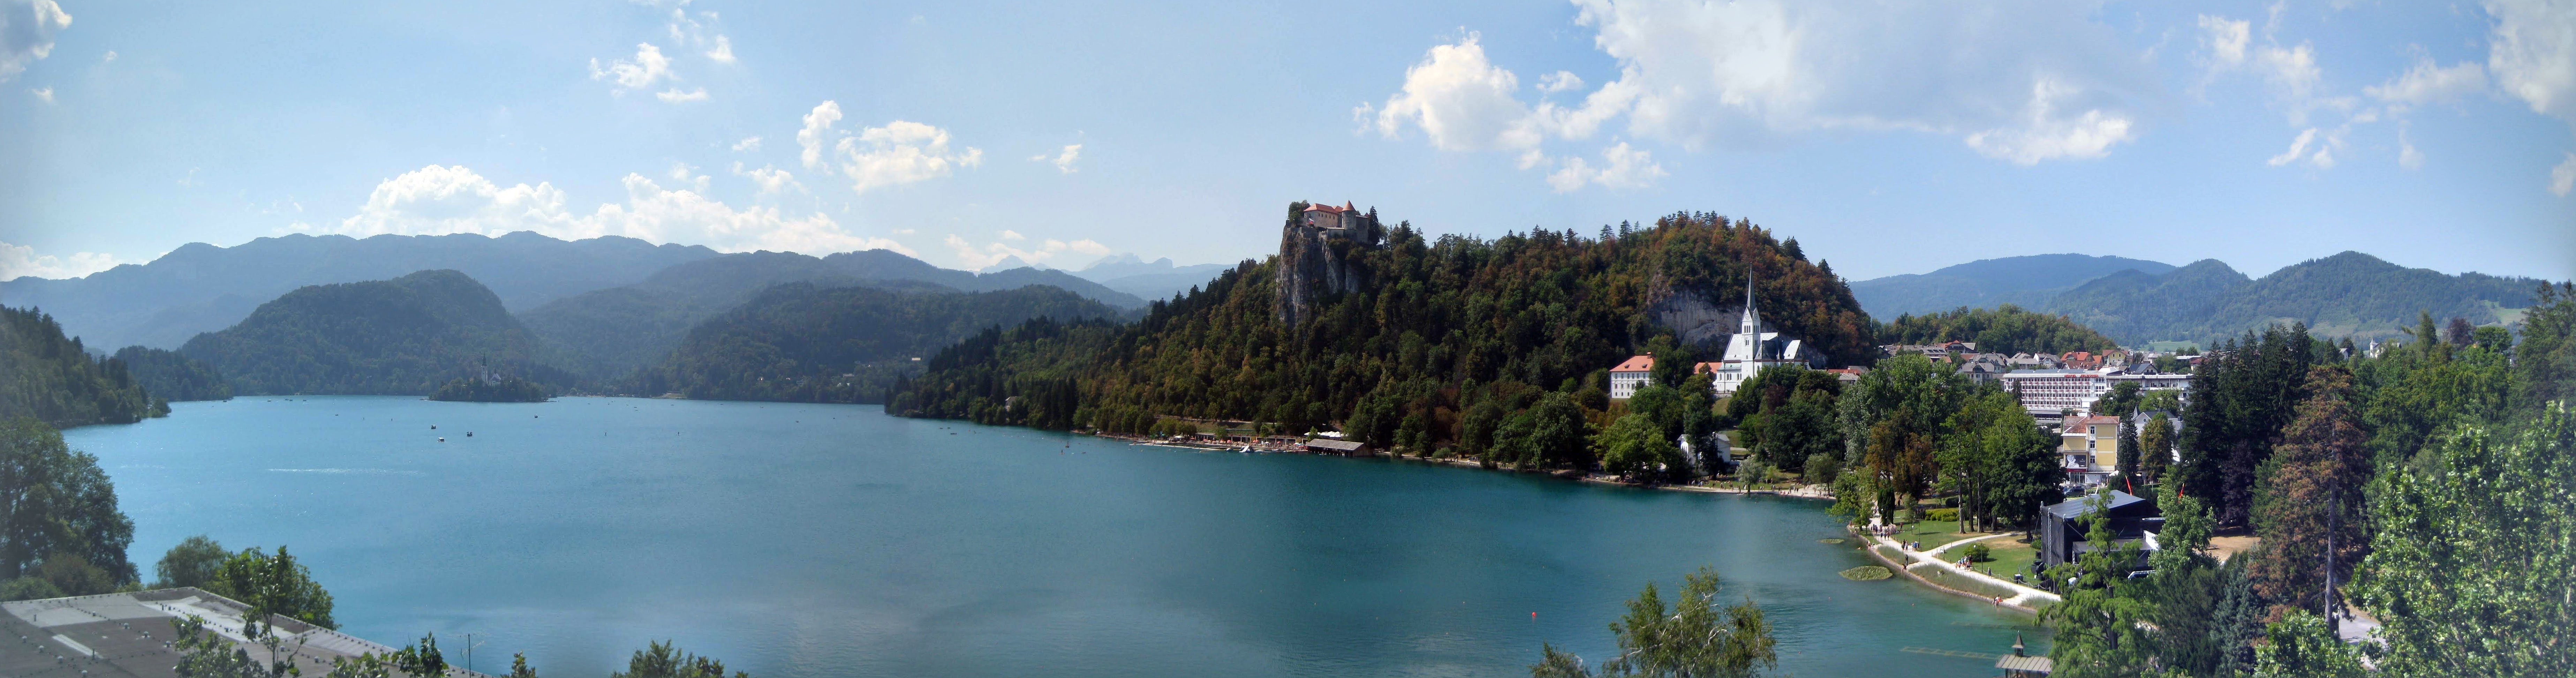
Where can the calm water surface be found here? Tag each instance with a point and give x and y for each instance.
(821, 540)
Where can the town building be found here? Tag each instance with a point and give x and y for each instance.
(1630, 375)
(1940, 352)
(2090, 447)
(2064, 528)
(2027, 361)
(1983, 368)
(2049, 394)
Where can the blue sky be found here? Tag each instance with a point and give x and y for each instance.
(1888, 137)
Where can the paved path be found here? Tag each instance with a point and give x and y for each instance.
(2028, 598)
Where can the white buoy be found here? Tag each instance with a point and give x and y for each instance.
(442, 440)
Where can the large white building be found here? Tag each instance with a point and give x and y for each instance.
(2045, 394)
(1630, 375)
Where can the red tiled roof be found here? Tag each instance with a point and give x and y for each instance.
(1636, 364)
(1326, 208)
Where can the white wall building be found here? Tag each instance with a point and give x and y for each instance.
(1630, 376)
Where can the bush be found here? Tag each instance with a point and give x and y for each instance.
(1822, 468)
(1867, 573)
(1941, 514)
(1978, 553)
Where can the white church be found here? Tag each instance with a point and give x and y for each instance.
(1749, 351)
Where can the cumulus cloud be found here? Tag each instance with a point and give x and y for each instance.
(2032, 81)
(1459, 100)
(722, 52)
(747, 144)
(2314, 146)
(44, 94)
(2042, 133)
(2428, 84)
(694, 31)
(674, 95)
(2563, 177)
(817, 132)
(902, 152)
(972, 257)
(1621, 167)
(22, 260)
(771, 180)
(2290, 73)
(647, 68)
(438, 200)
(1063, 160)
(27, 33)
(2533, 54)
(1560, 81)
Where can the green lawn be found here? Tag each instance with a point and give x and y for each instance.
(2011, 556)
(1933, 533)
(1970, 585)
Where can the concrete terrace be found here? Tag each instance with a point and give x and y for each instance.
(129, 634)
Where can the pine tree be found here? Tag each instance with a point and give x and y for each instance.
(2312, 515)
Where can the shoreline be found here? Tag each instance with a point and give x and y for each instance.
(1802, 492)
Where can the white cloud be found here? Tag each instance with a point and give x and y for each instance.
(1063, 160)
(2533, 54)
(2407, 156)
(747, 144)
(723, 51)
(971, 257)
(21, 260)
(2563, 177)
(27, 33)
(109, 58)
(2224, 40)
(771, 180)
(686, 31)
(674, 95)
(45, 94)
(1621, 167)
(818, 129)
(1560, 81)
(2427, 84)
(2042, 134)
(1753, 73)
(902, 152)
(647, 68)
(1459, 100)
(2324, 144)
(438, 200)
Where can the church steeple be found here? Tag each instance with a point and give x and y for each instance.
(1751, 327)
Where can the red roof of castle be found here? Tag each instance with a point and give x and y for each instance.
(1636, 364)
(1346, 207)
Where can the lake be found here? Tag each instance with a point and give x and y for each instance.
(831, 540)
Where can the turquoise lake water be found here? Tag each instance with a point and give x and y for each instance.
(831, 540)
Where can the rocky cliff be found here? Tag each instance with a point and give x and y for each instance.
(1315, 262)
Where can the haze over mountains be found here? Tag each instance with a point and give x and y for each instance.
(2134, 301)
(203, 288)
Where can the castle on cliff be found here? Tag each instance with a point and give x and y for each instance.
(1314, 255)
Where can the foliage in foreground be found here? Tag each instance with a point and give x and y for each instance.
(1694, 638)
(60, 531)
(269, 584)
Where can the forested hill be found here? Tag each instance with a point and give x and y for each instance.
(606, 335)
(1409, 332)
(2026, 281)
(46, 375)
(2008, 329)
(2348, 294)
(404, 336)
(803, 342)
(174, 377)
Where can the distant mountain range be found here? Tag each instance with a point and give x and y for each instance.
(203, 288)
(2028, 282)
(2135, 302)
(1157, 279)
